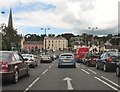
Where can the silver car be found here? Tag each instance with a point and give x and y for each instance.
(30, 59)
(46, 58)
(66, 59)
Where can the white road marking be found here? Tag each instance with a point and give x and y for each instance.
(85, 71)
(49, 66)
(92, 71)
(110, 81)
(31, 84)
(69, 84)
(45, 71)
(77, 66)
(106, 83)
(83, 66)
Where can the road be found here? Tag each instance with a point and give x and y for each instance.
(47, 76)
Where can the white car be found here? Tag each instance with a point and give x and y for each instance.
(30, 59)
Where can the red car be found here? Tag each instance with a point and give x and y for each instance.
(12, 66)
(81, 53)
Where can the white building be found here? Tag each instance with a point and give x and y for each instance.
(55, 43)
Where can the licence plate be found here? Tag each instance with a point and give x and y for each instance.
(66, 60)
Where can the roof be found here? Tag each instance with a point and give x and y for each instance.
(33, 42)
(55, 38)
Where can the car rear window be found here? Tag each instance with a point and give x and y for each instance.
(4, 55)
(66, 57)
(27, 55)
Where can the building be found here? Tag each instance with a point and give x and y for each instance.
(55, 43)
(35, 45)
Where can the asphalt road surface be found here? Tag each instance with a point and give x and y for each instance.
(47, 76)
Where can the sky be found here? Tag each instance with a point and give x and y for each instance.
(62, 16)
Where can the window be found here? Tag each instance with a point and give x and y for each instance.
(18, 57)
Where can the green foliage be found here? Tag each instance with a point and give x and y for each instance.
(9, 36)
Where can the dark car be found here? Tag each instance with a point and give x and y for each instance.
(12, 66)
(118, 68)
(108, 61)
(66, 59)
(90, 59)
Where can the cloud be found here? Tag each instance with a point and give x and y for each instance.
(70, 15)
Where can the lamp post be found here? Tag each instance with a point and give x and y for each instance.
(45, 37)
(93, 29)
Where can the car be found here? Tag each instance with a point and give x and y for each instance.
(46, 58)
(118, 68)
(90, 59)
(12, 66)
(108, 61)
(31, 60)
(81, 51)
(66, 59)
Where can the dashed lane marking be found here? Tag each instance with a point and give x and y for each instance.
(31, 84)
(85, 71)
(110, 81)
(106, 83)
(92, 71)
(45, 71)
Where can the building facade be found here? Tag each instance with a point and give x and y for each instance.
(55, 43)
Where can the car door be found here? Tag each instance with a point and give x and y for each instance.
(20, 64)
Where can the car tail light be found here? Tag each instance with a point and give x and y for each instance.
(4, 67)
(110, 59)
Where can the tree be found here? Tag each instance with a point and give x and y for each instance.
(9, 37)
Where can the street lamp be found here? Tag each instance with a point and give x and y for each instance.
(93, 29)
(45, 37)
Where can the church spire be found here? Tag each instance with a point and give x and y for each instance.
(10, 23)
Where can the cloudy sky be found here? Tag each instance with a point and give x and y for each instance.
(62, 16)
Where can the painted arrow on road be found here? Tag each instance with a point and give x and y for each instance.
(69, 84)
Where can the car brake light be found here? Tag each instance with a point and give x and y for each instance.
(110, 59)
(4, 67)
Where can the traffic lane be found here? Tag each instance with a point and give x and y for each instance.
(111, 76)
(25, 81)
(53, 79)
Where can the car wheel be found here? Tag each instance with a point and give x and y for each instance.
(15, 80)
(59, 66)
(96, 65)
(118, 72)
(88, 64)
(105, 68)
(74, 66)
(28, 72)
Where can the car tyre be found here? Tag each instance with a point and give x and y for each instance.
(105, 68)
(15, 79)
(28, 72)
(74, 66)
(88, 64)
(118, 72)
(96, 65)
(59, 66)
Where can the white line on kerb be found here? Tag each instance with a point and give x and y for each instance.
(45, 71)
(92, 71)
(110, 81)
(106, 83)
(31, 84)
(85, 71)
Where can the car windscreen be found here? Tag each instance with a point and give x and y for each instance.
(114, 54)
(4, 55)
(66, 57)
